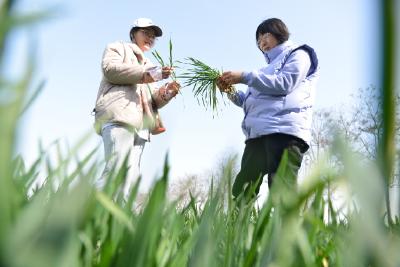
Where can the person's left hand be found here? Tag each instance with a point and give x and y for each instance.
(232, 77)
(173, 88)
(222, 85)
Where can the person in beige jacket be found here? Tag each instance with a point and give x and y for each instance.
(126, 110)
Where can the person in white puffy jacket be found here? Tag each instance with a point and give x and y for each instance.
(127, 104)
(277, 106)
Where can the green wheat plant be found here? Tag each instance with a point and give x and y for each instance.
(170, 63)
(203, 79)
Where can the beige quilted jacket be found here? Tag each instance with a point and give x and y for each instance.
(122, 97)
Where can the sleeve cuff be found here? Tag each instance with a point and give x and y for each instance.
(246, 77)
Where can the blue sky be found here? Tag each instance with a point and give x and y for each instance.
(345, 35)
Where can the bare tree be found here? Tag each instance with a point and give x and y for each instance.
(365, 124)
(360, 124)
(191, 186)
(197, 187)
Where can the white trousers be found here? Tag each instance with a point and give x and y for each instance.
(120, 143)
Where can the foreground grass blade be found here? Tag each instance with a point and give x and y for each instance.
(109, 205)
(387, 143)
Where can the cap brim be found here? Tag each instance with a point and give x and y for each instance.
(157, 30)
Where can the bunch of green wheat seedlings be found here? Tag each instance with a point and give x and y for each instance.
(203, 79)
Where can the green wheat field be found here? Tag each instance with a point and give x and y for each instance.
(67, 223)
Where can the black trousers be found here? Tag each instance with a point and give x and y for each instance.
(262, 156)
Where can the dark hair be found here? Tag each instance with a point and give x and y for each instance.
(274, 26)
(132, 31)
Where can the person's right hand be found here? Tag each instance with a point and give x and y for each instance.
(166, 72)
(149, 77)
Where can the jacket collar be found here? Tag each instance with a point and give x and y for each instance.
(272, 54)
(138, 52)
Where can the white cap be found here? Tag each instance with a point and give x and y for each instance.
(147, 23)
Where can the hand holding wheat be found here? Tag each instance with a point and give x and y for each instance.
(224, 86)
(232, 77)
(173, 87)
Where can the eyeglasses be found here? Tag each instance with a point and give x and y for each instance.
(261, 38)
(149, 34)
